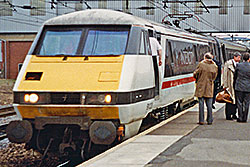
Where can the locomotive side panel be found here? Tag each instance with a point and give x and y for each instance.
(181, 54)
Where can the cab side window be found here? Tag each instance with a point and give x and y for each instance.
(142, 50)
(147, 43)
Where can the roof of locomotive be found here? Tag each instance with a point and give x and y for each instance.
(96, 16)
(112, 17)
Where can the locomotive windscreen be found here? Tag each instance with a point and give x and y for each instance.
(60, 43)
(87, 41)
(100, 42)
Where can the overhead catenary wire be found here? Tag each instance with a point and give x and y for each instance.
(13, 6)
(21, 22)
(32, 18)
(153, 3)
(24, 20)
(207, 23)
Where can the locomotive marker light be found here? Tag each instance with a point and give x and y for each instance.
(26, 98)
(83, 97)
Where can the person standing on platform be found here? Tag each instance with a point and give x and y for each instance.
(217, 81)
(205, 74)
(242, 88)
(228, 79)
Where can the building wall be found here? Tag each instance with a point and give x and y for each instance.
(17, 50)
(17, 47)
(1, 59)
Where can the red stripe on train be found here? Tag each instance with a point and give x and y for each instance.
(173, 83)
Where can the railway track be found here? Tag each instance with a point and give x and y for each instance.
(2, 131)
(5, 111)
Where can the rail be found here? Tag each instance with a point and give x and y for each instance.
(2, 131)
(6, 110)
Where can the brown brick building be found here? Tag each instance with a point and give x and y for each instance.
(14, 48)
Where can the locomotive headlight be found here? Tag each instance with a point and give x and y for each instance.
(108, 98)
(34, 98)
(104, 98)
(31, 98)
(100, 99)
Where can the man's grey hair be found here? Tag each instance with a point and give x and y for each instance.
(208, 55)
(236, 54)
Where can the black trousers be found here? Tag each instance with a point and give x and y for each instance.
(242, 101)
(216, 90)
(230, 110)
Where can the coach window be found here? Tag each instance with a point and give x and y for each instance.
(203, 49)
(211, 48)
(142, 45)
(168, 60)
(200, 53)
(195, 53)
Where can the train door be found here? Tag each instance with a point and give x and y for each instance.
(223, 50)
(157, 68)
(155, 64)
(145, 48)
(195, 51)
(168, 60)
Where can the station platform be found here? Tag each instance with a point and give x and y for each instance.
(181, 142)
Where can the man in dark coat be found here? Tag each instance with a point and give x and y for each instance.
(217, 81)
(205, 75)
(242, 88)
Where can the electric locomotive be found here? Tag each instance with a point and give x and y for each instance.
(89, 77)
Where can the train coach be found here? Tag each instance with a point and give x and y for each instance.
(90, 78)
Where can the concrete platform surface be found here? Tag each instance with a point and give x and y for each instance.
(180, 141)
(226, 143)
